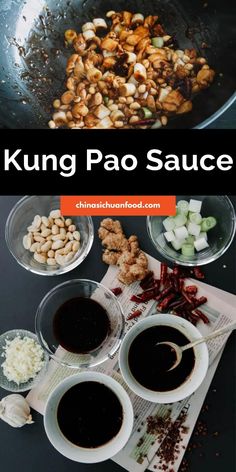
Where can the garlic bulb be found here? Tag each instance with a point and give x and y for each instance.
(15, 411)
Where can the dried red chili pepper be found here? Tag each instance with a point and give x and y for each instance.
(191, 289)
(165, 302)
(176, 270)
(147, 121)
(150, 292)
(117, 290)
(193, 316)
(180, 306)
(174, 282)
(202, 316)
(181, 284)
(177, 303)
(135, 314)
(136, 299)
(198, 301)
(187, 297)
(148, 279)
(198, 273)
(164, 269)
(164, 293)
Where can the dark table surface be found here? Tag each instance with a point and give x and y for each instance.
(27, 449)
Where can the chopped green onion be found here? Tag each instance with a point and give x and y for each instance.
(195, 218)
(187, 249)
(158, 42)
(182, 206)
(157, 124)
(208, 223)
(146, 113)
(106, 100)
(180, 219)
(190, 239)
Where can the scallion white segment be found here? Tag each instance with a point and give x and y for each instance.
(187, 231)
(181, 232)
(169, 223)
(177, 243)
(169, 235)
(201, 235)
(195, 206)
(201, 244)
(194, 229)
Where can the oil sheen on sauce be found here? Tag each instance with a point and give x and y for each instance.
(149, 363)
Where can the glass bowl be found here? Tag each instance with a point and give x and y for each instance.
(219, 238)
(64, 292)
(10, 385)
(21, 217)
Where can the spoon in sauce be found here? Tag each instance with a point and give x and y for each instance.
(180, 349)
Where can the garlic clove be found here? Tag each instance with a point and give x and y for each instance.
(15, 411)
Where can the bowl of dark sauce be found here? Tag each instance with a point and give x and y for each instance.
(80, 323)
(88, 417)
(145, 365)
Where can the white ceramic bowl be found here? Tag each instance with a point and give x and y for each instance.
(192, 382)
(70, 450)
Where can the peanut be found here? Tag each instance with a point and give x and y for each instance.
(45, 221)
(59, 237)
(57, 245)
(40, 258)
(39, 239)
(59, 222)
(46, 246)
(71, 228)
(51, 261)
(55, 229)
(46, 232)
(55, 214)
(27, 241)
(37, 221)
(76, 246)
(76, 235)
(34, 247)
(68, 221)
(69, 236)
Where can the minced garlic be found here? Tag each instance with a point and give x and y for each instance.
(24, 358)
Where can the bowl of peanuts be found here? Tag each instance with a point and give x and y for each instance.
(42, 240)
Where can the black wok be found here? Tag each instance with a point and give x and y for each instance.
(33, 55)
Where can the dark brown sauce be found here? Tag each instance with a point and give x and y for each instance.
(89, 414)
(149, 363)
(80, 325)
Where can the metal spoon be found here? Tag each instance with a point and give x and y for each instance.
(179, 349)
